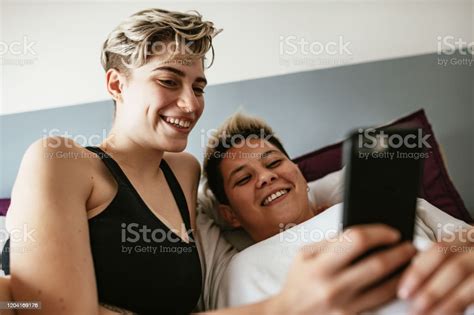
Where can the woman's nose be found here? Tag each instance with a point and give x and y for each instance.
(188, 101)
(266, 177)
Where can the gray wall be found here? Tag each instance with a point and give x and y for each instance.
(308, 110)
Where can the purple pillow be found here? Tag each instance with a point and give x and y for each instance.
(4, 204)
(437, 188)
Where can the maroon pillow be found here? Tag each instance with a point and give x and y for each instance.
(437, 187)
(4, 204)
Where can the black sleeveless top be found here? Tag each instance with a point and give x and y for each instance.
(140, 264)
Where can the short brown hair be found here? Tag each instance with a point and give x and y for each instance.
(235, 129)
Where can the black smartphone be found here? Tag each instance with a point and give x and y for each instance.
(382, 178)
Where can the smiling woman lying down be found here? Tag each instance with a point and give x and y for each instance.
(258, 188)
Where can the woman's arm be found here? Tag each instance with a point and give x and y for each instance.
(5, 295)
(50, 255)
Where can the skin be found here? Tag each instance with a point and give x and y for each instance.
(5, 294)
(252, 173)
(439, 281)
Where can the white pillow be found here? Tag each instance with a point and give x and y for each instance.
(327, 191)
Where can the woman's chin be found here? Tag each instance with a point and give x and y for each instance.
(177, 146)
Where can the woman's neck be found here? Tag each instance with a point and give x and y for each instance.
(135, 157)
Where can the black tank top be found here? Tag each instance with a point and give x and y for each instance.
(140, 264)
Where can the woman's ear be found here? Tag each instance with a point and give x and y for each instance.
(229, 216)
(114, 83)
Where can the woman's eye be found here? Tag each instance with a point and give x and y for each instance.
(243, 181)
(198, 91)
(274, 164)
(168, 83)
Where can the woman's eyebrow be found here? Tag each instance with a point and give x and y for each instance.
(170, 69)
(179, 73)
(266, 154)
(235, 171)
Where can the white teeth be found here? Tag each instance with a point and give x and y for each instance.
(274, 196)
(178, 122)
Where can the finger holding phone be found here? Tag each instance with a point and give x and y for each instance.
(441, 279)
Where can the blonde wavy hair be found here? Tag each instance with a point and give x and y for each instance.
(131, 43)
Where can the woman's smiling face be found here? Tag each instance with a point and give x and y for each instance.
(161, 101)
(265, 189)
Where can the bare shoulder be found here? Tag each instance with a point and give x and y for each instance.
(57, 151)
(55, 156)
(57, 168)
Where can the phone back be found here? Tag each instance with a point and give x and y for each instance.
(383, 171)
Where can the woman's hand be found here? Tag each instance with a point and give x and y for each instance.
(441, 279)
(323, 280)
